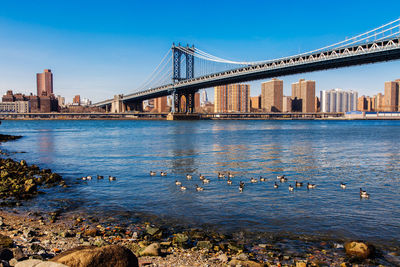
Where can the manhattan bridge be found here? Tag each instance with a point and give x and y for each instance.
(186, 69)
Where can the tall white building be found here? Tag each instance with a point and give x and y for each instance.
(338, 100)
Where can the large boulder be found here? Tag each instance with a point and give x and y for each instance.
(359, 250)
(91, 256)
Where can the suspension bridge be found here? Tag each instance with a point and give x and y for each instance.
(194, 69)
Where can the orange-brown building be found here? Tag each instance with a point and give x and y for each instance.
(77, 100)
(232, 98)
(391, 96)
(44, 83)
(272, 96)
(255, 103)
(304, 91)
(160, 105)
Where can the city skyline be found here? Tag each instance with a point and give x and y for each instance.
(95, 57)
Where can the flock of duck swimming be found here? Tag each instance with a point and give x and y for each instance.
(282, 179)
(99, 177)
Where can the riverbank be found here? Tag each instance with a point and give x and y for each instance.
(44, 235)
(36, 236)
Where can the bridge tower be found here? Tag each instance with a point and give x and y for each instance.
(177, 53)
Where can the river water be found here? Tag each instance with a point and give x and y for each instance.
(360, 153)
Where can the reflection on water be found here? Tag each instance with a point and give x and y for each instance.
(362, 154)
(46, 146)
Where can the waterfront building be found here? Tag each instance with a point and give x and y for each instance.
(203, 98)
(232, 98)
(286, 104)
(76, 100)
(391, 96)
(272, 96)
(255, 103)
(303, 96)
(338, 100)
(15, 107)
(44, 83)
(61, 101)
(160, 105)
(36, 104)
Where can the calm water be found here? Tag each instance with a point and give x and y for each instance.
(361, 153)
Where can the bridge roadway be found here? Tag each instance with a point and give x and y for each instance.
(371, 52)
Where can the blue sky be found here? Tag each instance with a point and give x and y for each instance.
(101, 48)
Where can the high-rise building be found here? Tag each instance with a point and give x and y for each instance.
(391, 96)
(76, 100)
(303, 94)
(255, 103)
(160, 105)
(338, 100)
(44, 83)
(272, 96)
(286, 104)
(203, 98)
(232, 98)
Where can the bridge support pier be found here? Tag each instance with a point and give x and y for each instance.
(189, 103)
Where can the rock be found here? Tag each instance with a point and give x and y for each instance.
(5, 241)
(38, 263)
(301, 264)
(204, 244)
(223, 258)
(107, 256)
(13, 262)
(36, 248)
(29, 233)
(359, 250)
(152, 230)
(91, 232)
(180, 238)
(245, 263)
(18, 254)
(242, 257)
(151, 250)
(6, 254)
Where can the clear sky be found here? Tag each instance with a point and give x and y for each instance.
(101, 48)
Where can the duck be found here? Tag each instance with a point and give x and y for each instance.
(188, 176)
(253, 180)
(363, 194)
(280, 177)
(229, 181)
(291, 188)
(163, 173)
(311, 186)
(343, 185)
(276, 185)
(262, 179)
(178, 182)
(83, 178)
(283, 179)
(202, 177)
(99, 177)
(112, 178)
(221, 176)
(152, 173)
(230, 175)
(241, 186)
(206, 181)
(198, 188)
(88, 177)
(298, 184)
(183, 187)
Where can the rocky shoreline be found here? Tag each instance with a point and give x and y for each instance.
(86, 240)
